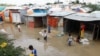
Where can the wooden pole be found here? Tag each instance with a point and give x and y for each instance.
(93, 31)
(97, 33)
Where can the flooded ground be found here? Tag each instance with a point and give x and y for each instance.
(56, 46)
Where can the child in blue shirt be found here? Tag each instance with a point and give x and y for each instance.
(34, 51)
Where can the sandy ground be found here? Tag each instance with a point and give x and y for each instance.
(56, 46)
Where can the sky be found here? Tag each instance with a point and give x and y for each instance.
(19, 2)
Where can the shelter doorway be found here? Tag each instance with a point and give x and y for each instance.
(71, 26)
(1, 19)
(96, 33)
(89, 30)
(40, 22)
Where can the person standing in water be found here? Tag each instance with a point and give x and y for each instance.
(34, 51)
(45, 35)
(19, 27)
(70, 40)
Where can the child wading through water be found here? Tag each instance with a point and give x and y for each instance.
(45, 35)
(70, 40)
(34, 51)
(19, 27)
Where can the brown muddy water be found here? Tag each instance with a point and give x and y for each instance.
(56, 46)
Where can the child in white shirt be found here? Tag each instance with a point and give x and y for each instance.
(19, 28)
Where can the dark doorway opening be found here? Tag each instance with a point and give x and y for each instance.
(1, 19)
(40, 22)
(71, 26)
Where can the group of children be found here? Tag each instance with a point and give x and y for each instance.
(34, 51)
(44, 34)
(70, 39)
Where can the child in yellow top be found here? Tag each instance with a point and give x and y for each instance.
(31, 54)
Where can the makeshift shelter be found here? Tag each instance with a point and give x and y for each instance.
(54, 13)
(55, 19)
(92, 25)
(2, 13)
(12, 14)
(1, 16)
(37, 18)
(22, 13)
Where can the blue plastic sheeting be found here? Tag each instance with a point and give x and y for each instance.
(44, 11)
(39, 10)
(2, 8)
(37, 14)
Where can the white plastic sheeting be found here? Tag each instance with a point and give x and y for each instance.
(55, 9)
(85, 41)
(13, 7)
(37, 14)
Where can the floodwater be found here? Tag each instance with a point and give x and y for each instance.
(55, 46)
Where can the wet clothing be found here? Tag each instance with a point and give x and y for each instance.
(34, 52)
(70, 40)
(45, 36)
(70, 43)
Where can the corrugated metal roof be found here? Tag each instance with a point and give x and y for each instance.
(82, 17)
(96, 13)
(61, 13)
